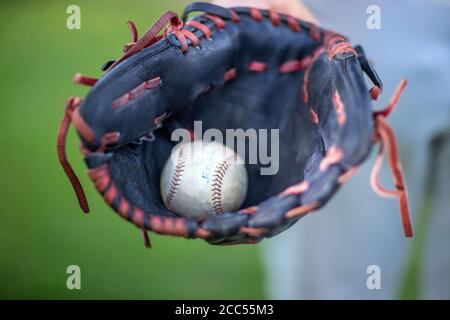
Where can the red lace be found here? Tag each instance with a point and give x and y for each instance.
(150, 37)
(71, 104)
(385, 136)
(383, 132)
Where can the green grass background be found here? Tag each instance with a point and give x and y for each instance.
(42, 230)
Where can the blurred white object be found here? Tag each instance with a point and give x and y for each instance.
(203, 178)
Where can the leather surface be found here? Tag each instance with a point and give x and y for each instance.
(252, 100)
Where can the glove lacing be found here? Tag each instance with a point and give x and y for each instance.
(382, 131)
(386, 138)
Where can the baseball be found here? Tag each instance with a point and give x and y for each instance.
(203, 178)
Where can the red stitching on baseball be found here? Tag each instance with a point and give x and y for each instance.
(176, 178)
(216, 184)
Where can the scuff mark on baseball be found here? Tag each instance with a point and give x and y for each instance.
(203, 178)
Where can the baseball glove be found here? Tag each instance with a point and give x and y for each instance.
(232, 68)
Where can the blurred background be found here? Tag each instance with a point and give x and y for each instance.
(42, 230)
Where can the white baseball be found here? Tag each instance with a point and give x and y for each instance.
(203, 178)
